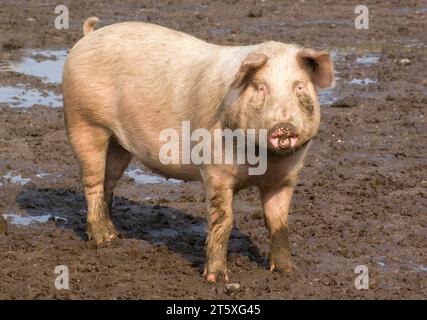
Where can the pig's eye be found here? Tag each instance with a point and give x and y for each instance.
(300, 86)
(262, 88)
(259, 94)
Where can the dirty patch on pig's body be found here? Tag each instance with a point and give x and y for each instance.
(306, 104)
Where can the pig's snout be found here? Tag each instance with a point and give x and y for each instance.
(283, 136)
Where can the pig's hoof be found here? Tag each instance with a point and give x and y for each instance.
(101, 233)
(283, 265)
(213, 276)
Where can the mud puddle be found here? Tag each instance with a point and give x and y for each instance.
(141, 177)
(21, 97)
(23, 220)
(44, 64)
(363, 59)
(368, 59)
(363, 82)
(15, 178)
(409, 11)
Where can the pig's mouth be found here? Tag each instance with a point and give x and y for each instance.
(283, 138)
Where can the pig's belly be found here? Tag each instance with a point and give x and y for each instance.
(145, 145)
(185, 172)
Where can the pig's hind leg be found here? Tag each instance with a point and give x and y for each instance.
(90, 144)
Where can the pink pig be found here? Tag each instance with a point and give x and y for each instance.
(124, 83)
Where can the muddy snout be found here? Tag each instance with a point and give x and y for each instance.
(283, 136)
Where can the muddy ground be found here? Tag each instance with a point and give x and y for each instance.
(361, 199)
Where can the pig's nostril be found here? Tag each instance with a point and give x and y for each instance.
(287, 141)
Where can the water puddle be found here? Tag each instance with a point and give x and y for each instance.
(142, 178)
(362, 82)
(11, 177)
(20, 97)
(44, 64)
(406, 11)
(413, 43)
(368, 59)
(327, 96)
(17, 179)
(27, 220)
(326, 21)
(412, 266)
(220, 31)
(422, 268)
(43, 174)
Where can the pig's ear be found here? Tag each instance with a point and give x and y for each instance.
(320, 66)
(251, 63)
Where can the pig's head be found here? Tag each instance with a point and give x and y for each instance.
(275, 89)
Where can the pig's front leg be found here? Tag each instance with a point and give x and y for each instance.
(219, 197)
(276, 203)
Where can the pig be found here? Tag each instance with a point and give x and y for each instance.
(124, 83)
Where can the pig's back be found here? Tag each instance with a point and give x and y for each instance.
(134, 49)
(150, 64)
